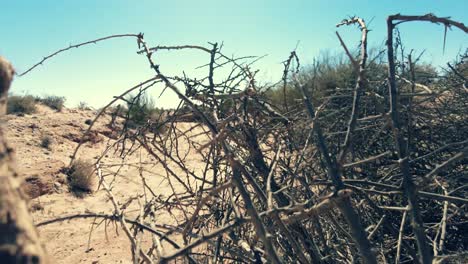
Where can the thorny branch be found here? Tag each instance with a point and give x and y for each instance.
(243, 178)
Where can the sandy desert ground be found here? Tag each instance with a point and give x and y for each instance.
(42, 170)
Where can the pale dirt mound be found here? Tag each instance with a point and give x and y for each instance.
(45, 182)
(42, 167)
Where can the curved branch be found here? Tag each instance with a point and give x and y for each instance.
(360, 82)
(77, 46)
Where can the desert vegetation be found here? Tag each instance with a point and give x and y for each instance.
(18, 104)
(81, 176)
(359, 158)
(46, 142)
(52, 101)
(26, 104)
(139, 109)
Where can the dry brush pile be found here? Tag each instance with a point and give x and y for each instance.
(371, 172)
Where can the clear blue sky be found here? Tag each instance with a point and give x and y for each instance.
(33, 29)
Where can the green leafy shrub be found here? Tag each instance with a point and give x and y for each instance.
(83, 106)
(21, 104)
(140, 109)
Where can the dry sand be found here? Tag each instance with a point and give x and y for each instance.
(67, 242)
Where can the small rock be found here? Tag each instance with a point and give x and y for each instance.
(57, 185)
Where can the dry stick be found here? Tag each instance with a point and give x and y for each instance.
(257, 158)
(137, 36)
(77, 46)
(394, 208)
(439, 168)
(316, 258)
(211, 67)
(350, 56)
(203, 238)
(332, 165)
(360, 162)
(271, 111)
(321, 208)
(117, 218)
(359, 234)
(358, 87)
(439, 150)
(443, 221)
(394, 232)
(121, 218)
(465, 83)
(429, 18)
(275, 191)
(236, 166)
(426, 88)
(443, 198)
(155, 49)
(287, 65)
(269, 178)
(156, 240)
(149, 51)
(260, 228)
(400, 237)
(202, 202)
(381, 221)
(88, 246)
(458, 189)
(409, 187)
(116, 98)
(409, 126)
(457, 72)
(138, 234)
(396, 190)
(165, 165)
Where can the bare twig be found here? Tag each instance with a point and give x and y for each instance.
(77, 46)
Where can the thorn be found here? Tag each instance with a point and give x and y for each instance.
(445, 39)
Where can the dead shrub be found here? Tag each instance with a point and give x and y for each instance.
(81, 176)
(46, 141)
